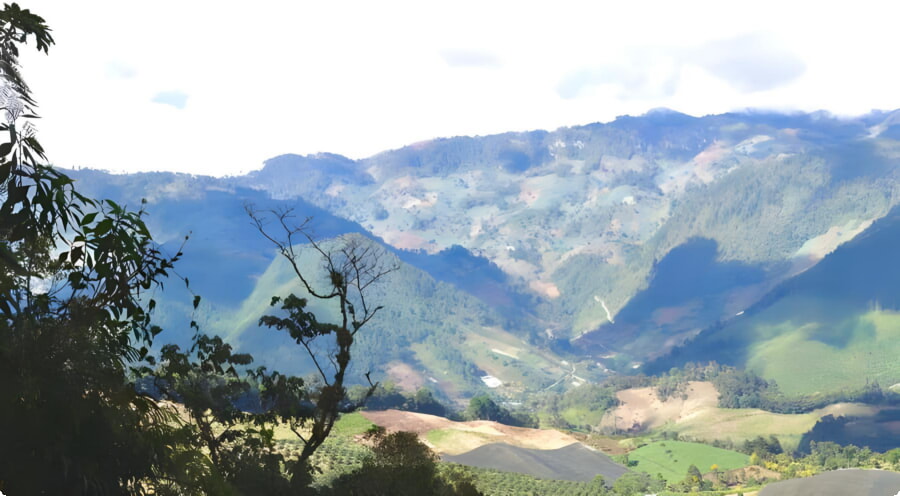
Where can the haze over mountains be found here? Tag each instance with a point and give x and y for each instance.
(547, 258)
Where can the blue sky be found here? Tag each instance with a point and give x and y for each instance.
(217, 87)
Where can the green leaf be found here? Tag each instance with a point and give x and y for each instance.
(87, 219)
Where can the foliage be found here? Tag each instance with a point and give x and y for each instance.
(402, 465)
(637, 483)
(227, 414)
(483, 407)
(72, 323)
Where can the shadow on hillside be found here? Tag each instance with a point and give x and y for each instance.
(690, 289)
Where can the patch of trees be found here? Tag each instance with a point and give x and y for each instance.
(386, 396)
(482, 407)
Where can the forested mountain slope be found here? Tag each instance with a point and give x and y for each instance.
(608, 243)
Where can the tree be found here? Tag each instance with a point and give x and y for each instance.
(351, 265)
(424, 402)
(73, 323)
(632, 483)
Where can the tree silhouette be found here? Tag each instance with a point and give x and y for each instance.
(350, 267)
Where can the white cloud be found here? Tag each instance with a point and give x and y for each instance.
(359, 77)
(173, 98)
(749, 62)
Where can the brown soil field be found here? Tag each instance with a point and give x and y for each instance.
(642, 410)
(460, 437)
(406, 378)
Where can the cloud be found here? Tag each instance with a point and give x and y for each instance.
(470, 58)
(647, 77)
(119, 70)
(177, 99)
(749, 63)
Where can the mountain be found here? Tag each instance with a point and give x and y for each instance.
(542, 255)
(430, 332)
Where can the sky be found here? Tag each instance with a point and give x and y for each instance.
(218, 87)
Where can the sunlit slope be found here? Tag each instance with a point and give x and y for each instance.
(835, 327)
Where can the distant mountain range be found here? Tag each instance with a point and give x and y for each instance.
(545, 258)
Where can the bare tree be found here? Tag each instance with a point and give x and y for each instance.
(350, 266)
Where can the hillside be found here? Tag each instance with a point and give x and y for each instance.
(579, 216)
(842, 311)
(430, 331)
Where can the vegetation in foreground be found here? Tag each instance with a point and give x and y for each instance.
(79, 397)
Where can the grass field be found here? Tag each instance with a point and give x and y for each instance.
(673, 458)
